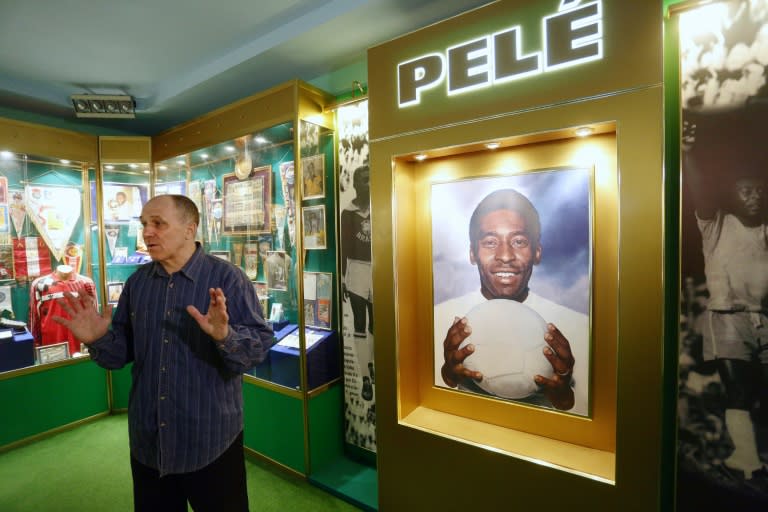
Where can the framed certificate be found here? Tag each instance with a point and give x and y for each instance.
(52, 353)
(247, 202)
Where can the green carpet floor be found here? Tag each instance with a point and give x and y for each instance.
(87, 469)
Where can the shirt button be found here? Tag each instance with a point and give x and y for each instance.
(170, 285)
(162, 424)
(162, 368)
(165, 340)
(162, 398)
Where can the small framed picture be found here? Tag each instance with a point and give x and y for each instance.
(224, 255)
(313, 176)
(277, 269)
(318, 291)
(261, 288)
(113, 292)
(313, 224)
(52, 353)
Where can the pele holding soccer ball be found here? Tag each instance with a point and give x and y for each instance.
(503, 339)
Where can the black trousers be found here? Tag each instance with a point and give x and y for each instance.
(218, 487)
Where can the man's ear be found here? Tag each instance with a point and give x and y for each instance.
(537, 255)
(472, 259)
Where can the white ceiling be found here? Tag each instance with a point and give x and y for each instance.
(183, 58)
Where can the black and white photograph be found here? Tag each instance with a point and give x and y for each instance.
(722, 413)
(518, 249)
(356, 278)
(277, 269)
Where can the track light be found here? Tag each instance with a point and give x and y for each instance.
(98, 105)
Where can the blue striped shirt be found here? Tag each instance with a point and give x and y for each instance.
(186, 402)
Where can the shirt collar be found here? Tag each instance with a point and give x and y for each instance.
(191, 269)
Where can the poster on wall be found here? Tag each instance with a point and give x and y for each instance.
(519, 250)
(722, 420)
(357, 292)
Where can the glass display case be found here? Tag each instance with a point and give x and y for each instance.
(46, 249)
(125, 187)
(264, 214)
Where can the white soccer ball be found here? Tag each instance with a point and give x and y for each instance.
(509, 341)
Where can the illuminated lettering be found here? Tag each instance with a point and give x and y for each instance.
(572, 36)
(418, 75)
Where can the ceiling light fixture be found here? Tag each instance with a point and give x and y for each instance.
(492, 145)
(584, 131)
(420, 157)
(102, 105)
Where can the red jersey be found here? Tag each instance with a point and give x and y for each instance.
(43, 294)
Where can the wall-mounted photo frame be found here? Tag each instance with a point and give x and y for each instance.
(277, 270)
(171, 187)
(318, 292)
(3, 189)
(122, 201)
(247, 203)
(52, 353)
(509, 237)
(313, 176)
(113, 292)
(224, 255)
(261, 288)
(313, 225)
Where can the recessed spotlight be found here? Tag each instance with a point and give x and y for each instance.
(204, 156)
(230, 148)
(260, 139)
(420, 157)
(6, 154)
(133, 166)
(64, 161)
(109, 167)
(584, 131)
(181, 162)
(163, 168)
(146, 171)
(492, 145)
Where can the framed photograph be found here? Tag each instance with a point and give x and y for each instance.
(52, 353)
(247, 202)
(113, 292)
(277, 270)
(510, 237)
(224, 255)
(318, 293)
(251, 255)
(5, 223)
(3, 190)
(122, 201)
(173, 187)
(313, 176)
(313, 224)
(261, 288)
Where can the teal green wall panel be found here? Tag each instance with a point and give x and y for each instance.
(274, 426)
(40, 401)
(326, 429)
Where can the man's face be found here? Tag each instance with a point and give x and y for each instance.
(362, 182)
(167, 236)
(750, 194)
(505, 255)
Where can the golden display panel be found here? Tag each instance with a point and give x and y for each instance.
(613, 452)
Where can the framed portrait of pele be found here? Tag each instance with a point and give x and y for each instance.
(520, 265)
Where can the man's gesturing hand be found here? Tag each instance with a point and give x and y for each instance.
(84, 320)
(215, 323)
